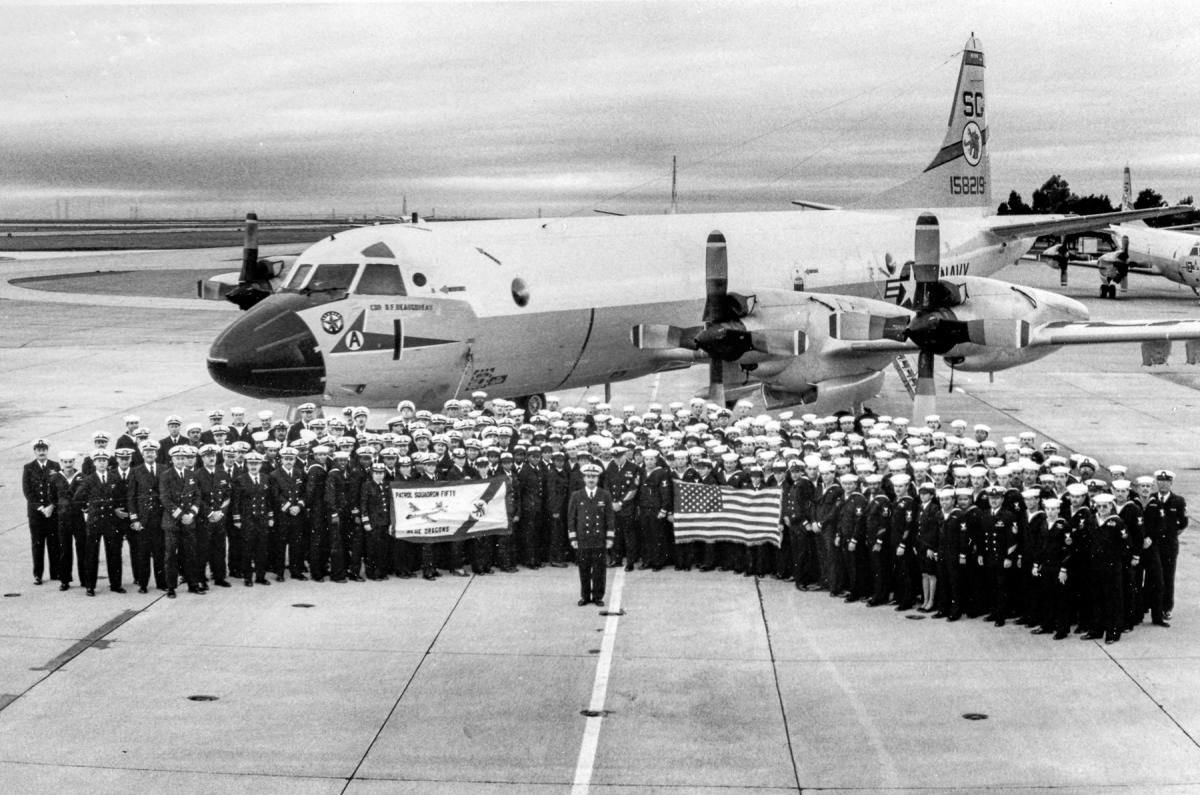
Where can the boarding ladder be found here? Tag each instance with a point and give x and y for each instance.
(908, 376)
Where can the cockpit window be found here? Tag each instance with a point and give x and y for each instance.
(380, 279)
(332, 277)
(298, 277)
(1196, 251)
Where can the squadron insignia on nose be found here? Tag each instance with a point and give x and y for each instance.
(332, 322)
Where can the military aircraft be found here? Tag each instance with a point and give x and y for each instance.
(1136, 248)
(795, 307)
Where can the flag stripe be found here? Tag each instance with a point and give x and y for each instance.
(710, 513)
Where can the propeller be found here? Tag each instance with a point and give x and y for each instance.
(254, 282)
(1119, 260)
(723, 335)
(1059, 256)
(933, 327)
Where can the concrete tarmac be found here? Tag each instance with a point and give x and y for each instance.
(710, 683)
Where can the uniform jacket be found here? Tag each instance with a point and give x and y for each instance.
(255, 503)
(164, 448)
(656, 493)
(66, 501)
(179, 493)
(531, 481)
(997, 535)
(287, 488)
(316, 479)
(558, 492)
(1172, 515)
(1107, 544)
(100, 500)
(35, 483)
(590, 521)
(145, 504)
(879, 514)
(377, 505)
(216, 491)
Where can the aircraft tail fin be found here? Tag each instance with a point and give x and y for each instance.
(960, 174)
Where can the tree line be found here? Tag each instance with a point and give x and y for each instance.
(1055, 196)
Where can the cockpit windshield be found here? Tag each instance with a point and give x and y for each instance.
(299, 274)
(380, 279)
(332, 277)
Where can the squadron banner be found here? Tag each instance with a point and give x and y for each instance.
(450, 511)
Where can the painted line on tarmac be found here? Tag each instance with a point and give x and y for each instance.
(591, 730)
(787, 732)
(96, 638)
(1147, 694)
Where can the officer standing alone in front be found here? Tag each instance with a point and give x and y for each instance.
(591, 529)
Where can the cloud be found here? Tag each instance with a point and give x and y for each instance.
(499, 108)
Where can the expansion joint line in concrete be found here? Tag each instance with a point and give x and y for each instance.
(97, 637)
(412, 677)
(762, 609)
(585, 763)
(1146, 693)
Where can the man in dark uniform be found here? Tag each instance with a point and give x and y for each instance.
(1052, 570)
(1131, 515)
(122, 482)
(878, 523)
(1150, 563)
(287, 487)
(558, 495)
(531, 485)
(39, 505)
(181, 509)
(72, 534)
(953, 548)
(305, 413)
(851, 535)
(624, 483)
(145, 520)
(216, 500)
(129, 438)
(173, 437)
(376, 510)
(254, 516)
(341, 523)
(1081, 524)
(653, 507)
(996, 553)
(1173, 520)
(98, 493)
(591, 528)
(826, 514)
(314, 498)
(902, 540)
(1106, 549)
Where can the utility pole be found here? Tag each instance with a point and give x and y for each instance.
(674, 196)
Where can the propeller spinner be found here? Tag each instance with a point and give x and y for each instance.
(933, 327)
(723, 336)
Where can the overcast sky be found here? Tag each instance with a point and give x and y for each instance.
(505, 109)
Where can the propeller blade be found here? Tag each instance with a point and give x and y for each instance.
(716, 381)
(652, 337)
(927, 262)
(779, 342)
(998, 333)
(862, 327)
(924, 400)
(716, 280)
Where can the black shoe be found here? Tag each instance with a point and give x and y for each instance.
(1161, 623)
(509, 569)
(261, 581)
(170, 593)
(1092, 636)
(598, 602)
(37, 580)
(954, 617)
(118, 589)
(66, 586)
(342, 580)
(583, 602)
(222, 583)
(999, 622)
(702, 568)
(299, 577)
(91, 591)
(429, 575)
(322, 579)
(278, 578)
(1166, 615)
(629, 567)
(249, 583)
(142, 589)
(558, 564)
(940, 614)
(463, 572)
(1060, 635)
(195, 589)
(852, 599)
(1039, 631)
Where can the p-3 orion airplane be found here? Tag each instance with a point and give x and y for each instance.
(802, 307)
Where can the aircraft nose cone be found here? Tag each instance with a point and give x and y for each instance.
(269, 352)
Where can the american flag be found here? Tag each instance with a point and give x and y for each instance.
(705, 512)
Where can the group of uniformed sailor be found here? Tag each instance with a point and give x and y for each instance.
(873, 508)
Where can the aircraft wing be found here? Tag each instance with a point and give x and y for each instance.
(1079, 223)
(810, 205)
(1095, 332)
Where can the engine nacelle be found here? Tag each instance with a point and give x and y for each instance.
(989, 299)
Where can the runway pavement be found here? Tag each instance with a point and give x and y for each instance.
(711, 682)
